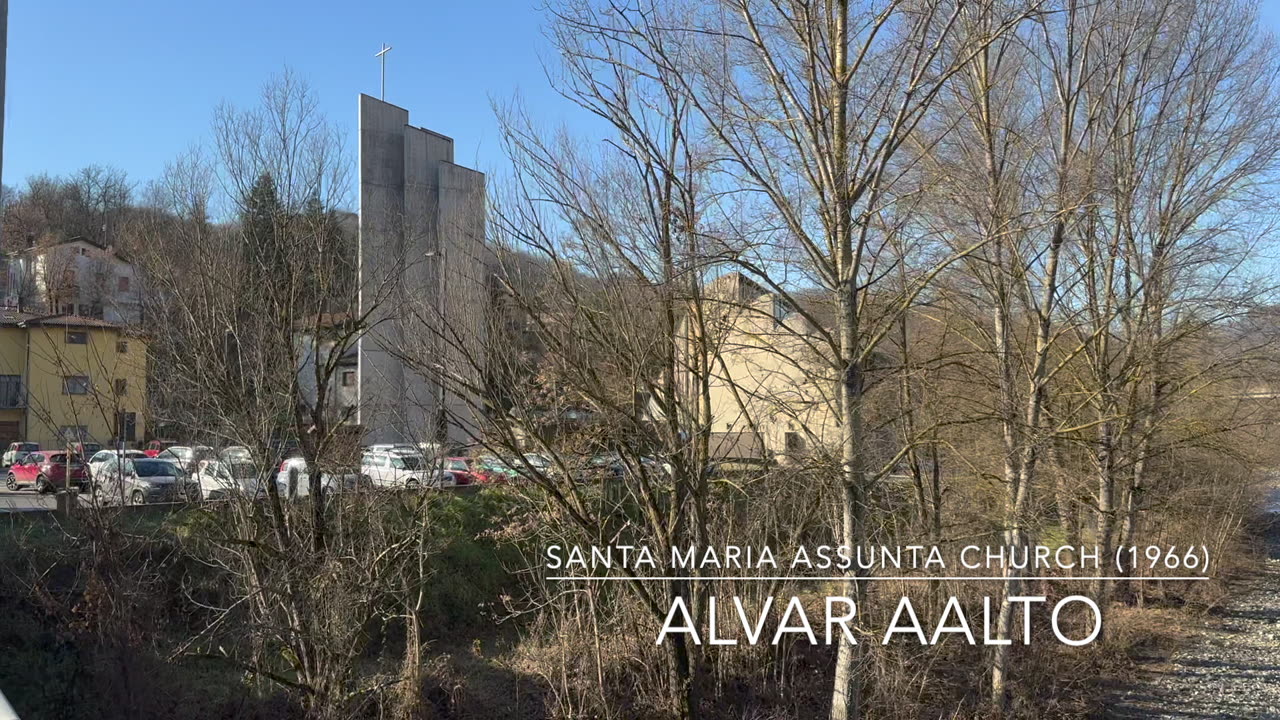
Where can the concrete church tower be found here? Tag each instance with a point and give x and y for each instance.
(422, 271)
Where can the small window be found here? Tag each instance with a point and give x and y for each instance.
(794, 443)
(122, 347)
(348, 378)
(75, 385)
(122, 386)
(122, 283)
(77, 337)
(126, 426)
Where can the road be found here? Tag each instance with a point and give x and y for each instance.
(20, 500)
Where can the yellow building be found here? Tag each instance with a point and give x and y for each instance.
(64, 377)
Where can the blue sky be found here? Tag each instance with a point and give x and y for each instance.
(132, 83)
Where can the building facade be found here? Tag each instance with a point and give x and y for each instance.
(320, 345)
(65, 378)
(74, 277)
(422, 281)
(770, 388)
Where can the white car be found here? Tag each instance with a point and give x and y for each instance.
(100, 459)
(221, 479)
(186, 456)
(236, 453)
(294, 472)
(392, 469)
(16, 450)
(398, 448)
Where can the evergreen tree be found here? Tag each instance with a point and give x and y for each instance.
(261, 222)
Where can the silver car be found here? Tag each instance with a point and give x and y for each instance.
(140, 481)
(102, 458)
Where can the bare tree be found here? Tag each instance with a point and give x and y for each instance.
(256, 315)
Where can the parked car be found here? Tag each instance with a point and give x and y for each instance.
(505, 469)
(221, 479)
(538, 462)
(293, 473)
(465, 470)
(141, 481)
(400, 448)
(402, 470)
(612, 466)
(155, 447)
(46, 471)
(187, 456)
(738, 467)
(86, 449)
(236, 453)
(12, 452)
(99, 459)
(601, 467)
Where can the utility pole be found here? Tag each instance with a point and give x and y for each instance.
(381, 55)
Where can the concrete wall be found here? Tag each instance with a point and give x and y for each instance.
(465, 292)
(421, 225)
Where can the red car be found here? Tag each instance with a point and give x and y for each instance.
(155, 447)
(464, 470)
(47, 471)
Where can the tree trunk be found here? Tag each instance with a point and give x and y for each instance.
(1106, 516)
(846, 696)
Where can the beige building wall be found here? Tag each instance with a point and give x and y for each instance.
(70, 385)
(769, 379)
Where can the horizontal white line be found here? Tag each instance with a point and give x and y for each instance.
(656, 578)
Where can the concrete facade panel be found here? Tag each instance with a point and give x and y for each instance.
(421, 228)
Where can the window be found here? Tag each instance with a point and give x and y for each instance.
(11, 391)
(348, 378)
(780, 310)
(122, 283)
(126, 426)
(73, 433)
(794, 443)
(75, 385)
(122, 386)
(122, 347)
(77, 337)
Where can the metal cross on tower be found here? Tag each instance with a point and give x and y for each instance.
(382, 55)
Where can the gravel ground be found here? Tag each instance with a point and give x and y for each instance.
(1232, 670)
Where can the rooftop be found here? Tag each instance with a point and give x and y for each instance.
(16, 318)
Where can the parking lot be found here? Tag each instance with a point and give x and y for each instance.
(22, 500)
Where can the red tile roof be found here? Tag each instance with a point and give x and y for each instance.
(13, 318)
